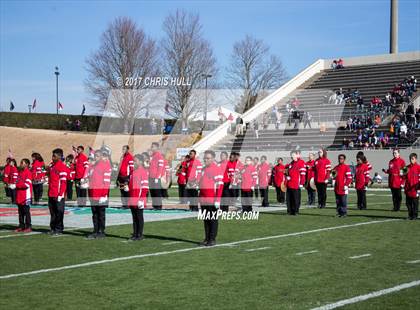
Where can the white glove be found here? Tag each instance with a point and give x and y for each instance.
(346, 190)
(156, 181)
(366, 188)
(140, 204)
(402, 185)
(12, 186)
(126, 189)
(300, 186)
(326, 181)
(418, 192)
(103, 199)
(217, 205)
(288, 178)
(252, 188)
(59, 198)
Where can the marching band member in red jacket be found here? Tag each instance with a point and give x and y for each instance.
(6, 174)
(24, 196)
(81, 166)
(256, 165)
(230, 174)
(211, 188)
(249, 177)
(264, 177)
(38, 174)
(194, 169)
(362, 181)
(411, 177)
(126, 168)
(138, 188)
(278, 179)
(309, 165)
(57, 183)
(99, 183)
(12, 179)
(295, 179)
(236, 186)
(322, 170)
(181, 173)
(223, 165)
(156, 171)
(395, 180)
(71, 175)
(342, 181)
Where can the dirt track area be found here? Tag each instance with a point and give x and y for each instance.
(23, 142)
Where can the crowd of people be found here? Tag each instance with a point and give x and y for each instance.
(212, 185)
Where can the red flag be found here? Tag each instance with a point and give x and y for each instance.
(34, 104)
(60, 106)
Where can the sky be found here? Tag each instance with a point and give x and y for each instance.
(36, 36)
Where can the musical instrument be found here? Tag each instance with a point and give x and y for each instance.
(404, 171)
(283, 187)
(312, 183)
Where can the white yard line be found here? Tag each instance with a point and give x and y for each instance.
(360, 298)
(360, 256)
(258, 249)
(307, 252)
(172, 242)
(413, 261)
(124, 258)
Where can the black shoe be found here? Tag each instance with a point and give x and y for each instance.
(91, 236)
(203, 243)
(211, 243)
(133, 238)
(51, 232)
(100, 235)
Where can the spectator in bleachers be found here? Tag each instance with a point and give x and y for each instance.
(307, 117)
(340, 64)
(239, 131)
(360, 103)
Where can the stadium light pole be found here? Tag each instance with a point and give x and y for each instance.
(57, 73)
(393, 32)
(205, 76)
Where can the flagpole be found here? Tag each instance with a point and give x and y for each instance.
(56, 87)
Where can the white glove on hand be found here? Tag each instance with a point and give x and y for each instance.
(346, 190)
(217, 205)
(326, 181)
(126, 189)
(366, 188)
(252, 188)
(156, 181)
(140, 204)
(59, 198)
(103, 199)
(300, 186)
(12, 186)
(402, 185)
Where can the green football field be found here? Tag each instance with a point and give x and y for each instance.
(275, 262)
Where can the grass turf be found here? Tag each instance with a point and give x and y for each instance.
(223, 277)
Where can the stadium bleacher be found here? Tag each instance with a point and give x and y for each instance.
(370, 80)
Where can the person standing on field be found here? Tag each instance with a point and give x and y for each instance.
(138, 188)
(181, 173)
(278, 179)
(309, 175)
(263, 179)
(322, 170)
(362, 181)
(38, 175)
(194, 169)
(395, 178)
(412, 187)
(342, 180)
(156, 171)
(57, 186)
(126, 168)
(24, 196)
(81, 165)
(248, 176)
(211, 188)
(295, 179)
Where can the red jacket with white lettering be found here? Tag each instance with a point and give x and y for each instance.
(24, 187)
(230, 170)
(157, 167)
(264, 175)
(13, 175)
(223, 167)
(37, 170)
(6, 173)
(138, 187)
(57, 180)
(309, 165)
(211, 185)
(182, 173)
(126, 165)
(296, 174)
(322, 170)
(278, 172)
(395, 179)
(194, 170)
(362, 176)
(343, 178)
(99, 179)
(248, 178)
(81, 164)
(412, 180)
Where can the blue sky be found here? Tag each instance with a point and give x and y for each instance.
(38, 35)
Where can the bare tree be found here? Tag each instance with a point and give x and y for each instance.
(126, 55)
(188, 56)
(253, 69)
